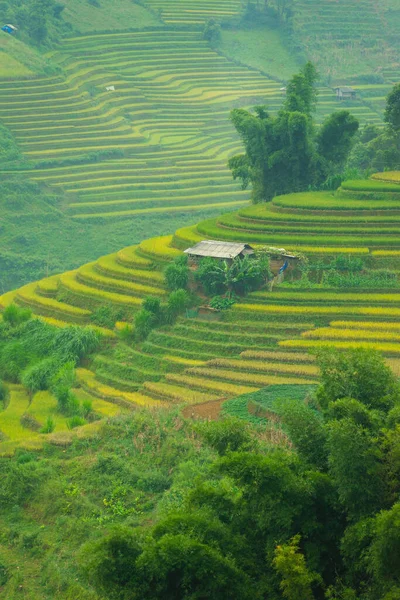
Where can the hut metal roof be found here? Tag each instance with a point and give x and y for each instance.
(215, 249)
(346, 89)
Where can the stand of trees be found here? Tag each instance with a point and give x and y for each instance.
(286, 153)
(39, 21)
(317, 521)
(376, 149)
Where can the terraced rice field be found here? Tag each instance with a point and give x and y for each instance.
(189, 12)
(349, 38)
(270, 337)
(167, 112)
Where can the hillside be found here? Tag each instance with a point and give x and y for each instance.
(266, 337)
(20, 61)
(150, 154)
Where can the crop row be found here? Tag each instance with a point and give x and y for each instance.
(319, 310)
(252, 379)
(373, 325)
(50, 307)
(261, 212)
(174, 393)
(334, 297)
(352, 334)
(210, 229)
(275, 355)
(92, 296)
(386, 348)
(127, 372)
(259, 366)
(126, 399)
(109, 266)
(91, 277)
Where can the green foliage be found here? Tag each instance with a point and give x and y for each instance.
(361, 374)
(178, 302)
(106, 316)
(15, 315)
(39, 376)
(290, 564)
(385, 548)
(73, 343)
(241, 276)
(144, 322)
(177, 275)
(75, 421)
(49, 426)
(284, 153)
(335, 138)
(9, 150)
(212, 32)
(356, 465)
(306, 430)
(392, 111)
(226, 436)
(3, 392)
(38, 20)
(221, 302)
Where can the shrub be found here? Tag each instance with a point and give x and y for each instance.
(241, 276)
(15, 315)
(39, 376)
(153, 305)
(3, 392)
(30, 422)
(74, 343)
(106, 316)
(13, 360)
(144, 323)
(87, 408)
(75, 421)
(212, 32)
(178, 301)
(221, 302)
(229, 435)
(177, 274)
(49, 426)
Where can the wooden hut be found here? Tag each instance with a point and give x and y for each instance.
(345, 93)
(218, 250)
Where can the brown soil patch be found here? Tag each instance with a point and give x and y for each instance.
(205, 410)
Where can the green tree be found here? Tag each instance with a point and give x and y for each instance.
(15, 315)
(385, 549)
(357, 467)
(290, 564)
(284, 154)
(306, 430)
(359, 373)
(212, 32)
(177, 275)
(335, 138)
(392, 111)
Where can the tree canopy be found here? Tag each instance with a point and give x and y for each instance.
(285, 153)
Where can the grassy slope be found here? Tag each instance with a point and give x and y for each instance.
(77, 494)
(265, 49)
(108, 15)
(19, 60)
(46, 241)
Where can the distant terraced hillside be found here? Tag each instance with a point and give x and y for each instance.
(269, 337)
(168, 112)
(350, 38)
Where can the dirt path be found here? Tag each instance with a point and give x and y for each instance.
(205, 410)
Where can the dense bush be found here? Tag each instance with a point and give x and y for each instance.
(177, 274)
(242, 276)
(15, 315)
